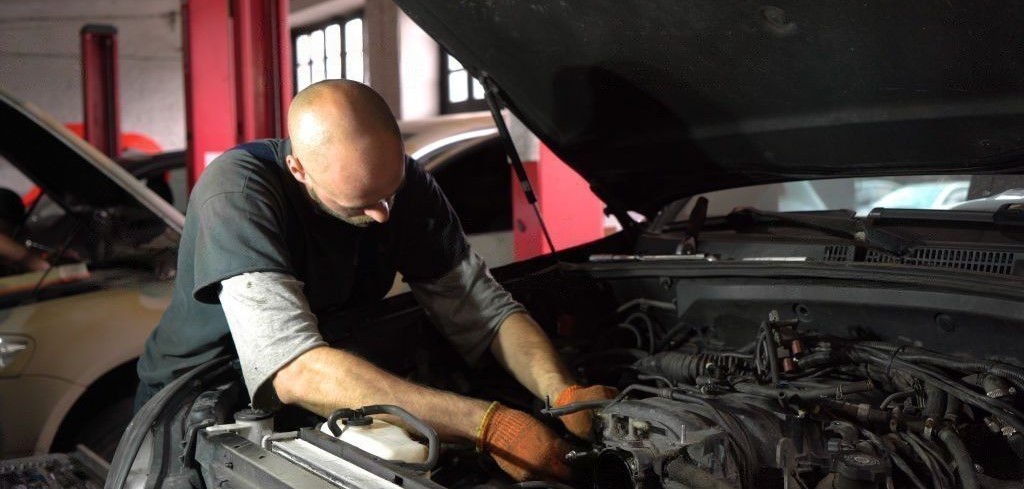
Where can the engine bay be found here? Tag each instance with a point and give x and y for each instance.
(805, 386)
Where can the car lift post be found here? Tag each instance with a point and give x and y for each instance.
(237, 56)
(100, 109)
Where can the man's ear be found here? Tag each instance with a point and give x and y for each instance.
(295, 168)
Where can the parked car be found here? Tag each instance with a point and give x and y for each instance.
(922, 195)
(69, 337)
(755, 348)
(1012, 197)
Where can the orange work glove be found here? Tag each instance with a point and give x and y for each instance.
(582, 422)
(523, 447)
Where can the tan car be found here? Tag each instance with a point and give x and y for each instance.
(68, 347)
(69, 337)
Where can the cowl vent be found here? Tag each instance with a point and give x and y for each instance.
(983, 261)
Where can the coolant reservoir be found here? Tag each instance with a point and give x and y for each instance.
(382, 439)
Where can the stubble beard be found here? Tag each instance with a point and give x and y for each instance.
(357, 221)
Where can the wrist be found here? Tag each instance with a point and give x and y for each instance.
(556, 384)
(484, 424)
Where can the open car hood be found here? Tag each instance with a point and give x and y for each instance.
(653, 100)
(72, 172)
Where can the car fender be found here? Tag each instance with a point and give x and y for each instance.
(80, 338)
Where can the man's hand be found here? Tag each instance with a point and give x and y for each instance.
(523, 447)
(33, 262)
(581, 423)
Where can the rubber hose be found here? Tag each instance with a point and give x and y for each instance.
(805, 394)
(693, 476)
(683, 367)
(773, 359)
(935, 404)
(954, 407)
(913, 354)
(1016, 442)
(964, 464)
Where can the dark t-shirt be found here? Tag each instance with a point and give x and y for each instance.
(248, 214)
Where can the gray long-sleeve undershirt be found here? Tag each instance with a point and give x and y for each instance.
(271, 322)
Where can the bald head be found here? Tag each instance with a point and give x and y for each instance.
(346, 146)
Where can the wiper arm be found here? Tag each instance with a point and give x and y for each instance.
(844, 227)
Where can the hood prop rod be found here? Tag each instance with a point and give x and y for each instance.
(491, 95)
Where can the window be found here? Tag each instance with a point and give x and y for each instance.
(460, 92)
(330, 51)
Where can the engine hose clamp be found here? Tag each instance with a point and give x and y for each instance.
(863, 410)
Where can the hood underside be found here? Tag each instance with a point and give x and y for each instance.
(69, 170)
(653, 100)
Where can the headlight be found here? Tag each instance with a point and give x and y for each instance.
(14, 354)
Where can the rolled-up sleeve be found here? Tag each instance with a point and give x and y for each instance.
(467, 305)
(271, 325)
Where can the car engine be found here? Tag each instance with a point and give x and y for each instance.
(795, 408)
(791, 407)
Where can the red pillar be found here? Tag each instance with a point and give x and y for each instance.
(573, 214)
(263, 65)
(210, 119)
(237, 75)
(100, 108)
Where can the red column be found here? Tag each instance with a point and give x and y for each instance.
(100, 110)
(573, 214)
(210, 119)
(238, 80)
(263, 67)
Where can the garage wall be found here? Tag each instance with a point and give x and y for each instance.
(419, 67)
(40, 60)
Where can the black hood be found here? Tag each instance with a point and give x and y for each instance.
(652, 100)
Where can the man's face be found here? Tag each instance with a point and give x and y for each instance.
(359, 200)
(355, 217)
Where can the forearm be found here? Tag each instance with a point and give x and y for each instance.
(527, 353)
(14, 252)
(325, 379)
(11, 250)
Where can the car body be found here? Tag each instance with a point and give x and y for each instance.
(1011, 197)
(794, 346)
(81, 338)
(924, 195)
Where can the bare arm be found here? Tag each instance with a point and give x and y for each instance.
(275, 332)
(477, 314)
(526, 352)
(324, 379)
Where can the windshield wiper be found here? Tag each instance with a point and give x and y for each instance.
(841, 226)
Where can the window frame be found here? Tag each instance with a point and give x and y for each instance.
(447, 107)
(304, 29)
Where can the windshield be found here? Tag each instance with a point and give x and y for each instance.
(861, 194)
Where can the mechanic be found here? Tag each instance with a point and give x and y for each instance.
(281, 233)
(15, 257)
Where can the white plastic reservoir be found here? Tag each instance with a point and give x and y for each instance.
(382, 439)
